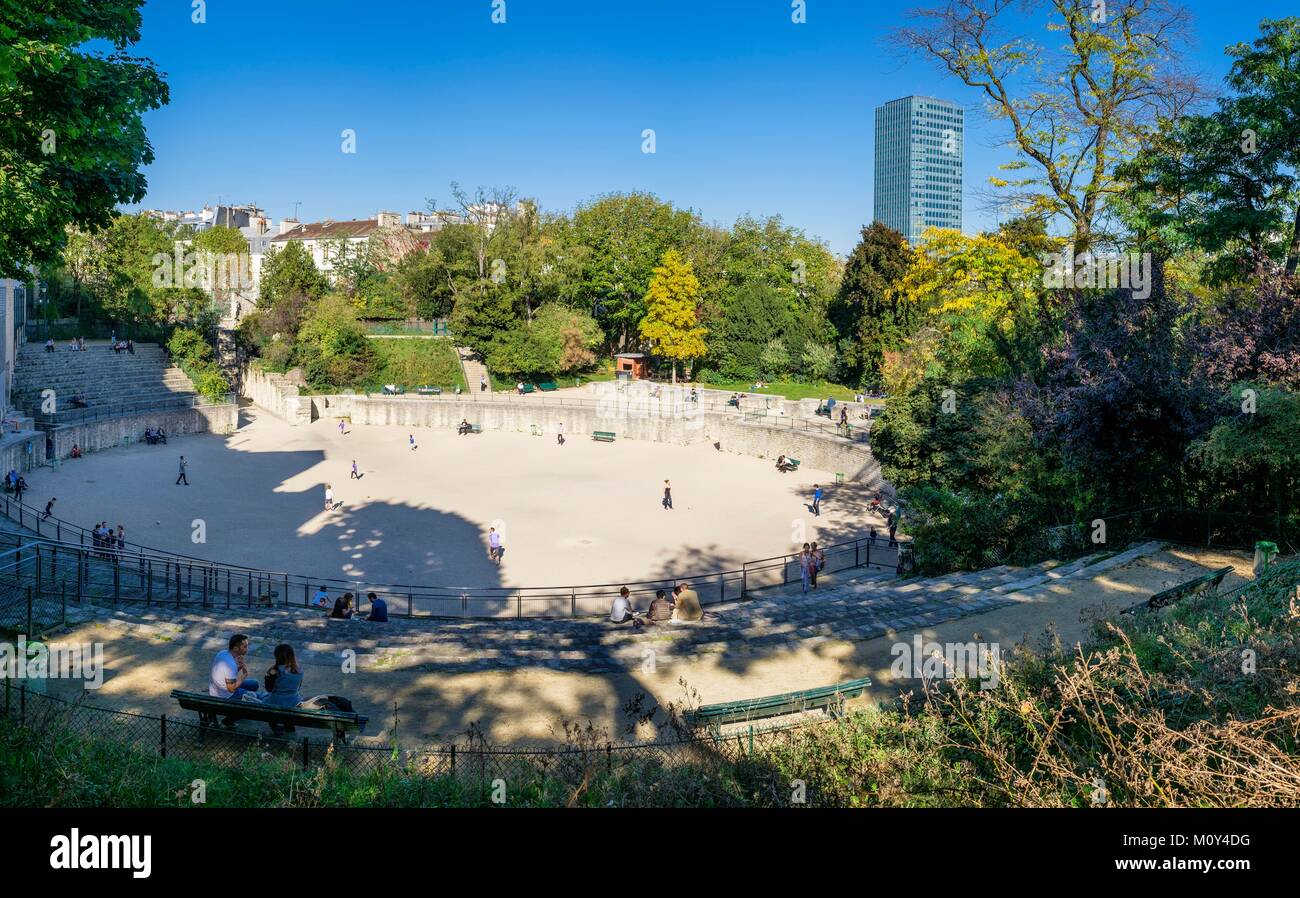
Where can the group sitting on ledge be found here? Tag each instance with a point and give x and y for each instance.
(342, 608)
(683, 607)
(155, 435)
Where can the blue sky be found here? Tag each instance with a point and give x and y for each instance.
(752, 113)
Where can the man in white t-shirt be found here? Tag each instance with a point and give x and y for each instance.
(621, 611)
(229, 676)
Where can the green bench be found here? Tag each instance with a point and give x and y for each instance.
(791, 464)
(828, 698)
(473, 428)
(209, 708)
(1182, 590)
(529, 388)
(547, 387)
(603, 436)
(429, 391)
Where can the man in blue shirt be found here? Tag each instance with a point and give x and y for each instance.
(817, 500)
(378, 609)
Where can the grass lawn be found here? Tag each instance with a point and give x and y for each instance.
(416, 362)
(790, 390)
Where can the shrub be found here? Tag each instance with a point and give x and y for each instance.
(211, 383)
(188, 347)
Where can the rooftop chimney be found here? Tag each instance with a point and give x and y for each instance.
(388, 219)
(288, 224)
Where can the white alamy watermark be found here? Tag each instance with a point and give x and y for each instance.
(947, 661)
(77, 852)
(642, 400)
(1129, 271)
(210, 271)
(58, 661)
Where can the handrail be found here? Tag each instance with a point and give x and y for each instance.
(556, 601)
(116, 410)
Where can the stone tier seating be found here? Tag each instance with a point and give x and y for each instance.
(108, 381)
(850, 608)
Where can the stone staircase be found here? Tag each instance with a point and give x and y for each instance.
(852, 609)
(474, 370)
(106, 380)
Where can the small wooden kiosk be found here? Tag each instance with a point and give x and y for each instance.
(631, 365)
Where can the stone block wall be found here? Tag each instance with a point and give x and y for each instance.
(109, 432)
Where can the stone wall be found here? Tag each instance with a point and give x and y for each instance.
(630, 420)
(277, 394)
(21, 451)
(109, 432)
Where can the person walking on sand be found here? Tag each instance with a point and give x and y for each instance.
(49, 508)
(817, 499)
(668, 496)
(355, 475)
(559, 434)
(341, 430)
(411, 440)
(329, 497)
(180, 477)
(494, 545)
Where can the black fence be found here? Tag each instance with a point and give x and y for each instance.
(66, 565)
(164, 736)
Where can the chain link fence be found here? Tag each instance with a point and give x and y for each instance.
(163, 736)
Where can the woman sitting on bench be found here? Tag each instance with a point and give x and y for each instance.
(464, 427)
(283, 682)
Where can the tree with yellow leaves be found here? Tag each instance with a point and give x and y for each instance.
(978, 290)
(672, 320)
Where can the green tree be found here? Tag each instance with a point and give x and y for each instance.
(672, 323)
(1228, 183)
(627, 235)
(72, 139)
(289, 271)
(867, 313)
(1077, 105)
(1257, 442)
(332, 346)
(752, 316)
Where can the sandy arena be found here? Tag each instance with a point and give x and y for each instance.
(583, 513)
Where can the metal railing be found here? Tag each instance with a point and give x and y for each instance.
(120, 409)
(67, 564)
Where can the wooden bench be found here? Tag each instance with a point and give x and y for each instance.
(209, 708)
(547, 387)
(1182, 590)
(828, 698)
(603, 436)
